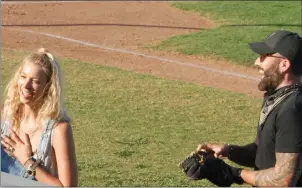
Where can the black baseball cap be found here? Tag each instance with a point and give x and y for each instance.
(286, 43)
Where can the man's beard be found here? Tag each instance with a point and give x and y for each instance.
(272, 79)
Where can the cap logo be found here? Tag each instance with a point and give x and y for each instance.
(271, 35)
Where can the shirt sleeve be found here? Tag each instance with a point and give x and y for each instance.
(289, 131)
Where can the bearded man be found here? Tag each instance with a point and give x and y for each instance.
(275, 155)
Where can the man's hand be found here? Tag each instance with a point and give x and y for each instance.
(200, 165)
(219, 150)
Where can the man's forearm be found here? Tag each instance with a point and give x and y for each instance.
(243, 155)
(269, 177)
(286, 172)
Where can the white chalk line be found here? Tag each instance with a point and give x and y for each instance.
(230, 73)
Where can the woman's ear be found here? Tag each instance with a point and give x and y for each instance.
(46, 88)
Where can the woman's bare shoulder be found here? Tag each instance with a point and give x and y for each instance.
(62, 129)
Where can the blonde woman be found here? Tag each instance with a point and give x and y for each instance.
(37, 140)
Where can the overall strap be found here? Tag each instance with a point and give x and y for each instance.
(5, 126)
(45, 142)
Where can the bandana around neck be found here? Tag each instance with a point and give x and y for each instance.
(272, 99)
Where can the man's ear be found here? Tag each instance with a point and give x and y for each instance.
(284, 65)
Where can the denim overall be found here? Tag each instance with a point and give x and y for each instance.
(44, 152)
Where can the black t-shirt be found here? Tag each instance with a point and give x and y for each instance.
(281, 132)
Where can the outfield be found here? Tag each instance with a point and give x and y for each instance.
(132, 129)
(239, 23)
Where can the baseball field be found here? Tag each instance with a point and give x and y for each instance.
(146, 82)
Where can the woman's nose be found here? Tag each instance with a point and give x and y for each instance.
(27, 84)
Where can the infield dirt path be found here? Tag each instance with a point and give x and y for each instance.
(98, 31)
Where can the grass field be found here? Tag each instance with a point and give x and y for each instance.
(133, 130)
(240, 22)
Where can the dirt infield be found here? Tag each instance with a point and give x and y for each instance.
(115, 33)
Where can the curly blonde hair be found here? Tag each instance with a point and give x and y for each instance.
(52, 106)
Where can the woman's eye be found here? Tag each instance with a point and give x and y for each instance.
(36, 81)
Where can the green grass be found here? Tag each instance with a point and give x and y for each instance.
(132, 129)
(239, 23)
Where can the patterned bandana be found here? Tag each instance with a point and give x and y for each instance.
(271, 100)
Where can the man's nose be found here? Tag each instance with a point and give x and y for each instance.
(257, 62)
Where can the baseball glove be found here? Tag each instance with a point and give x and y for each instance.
(193, 166)
(201, 165)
